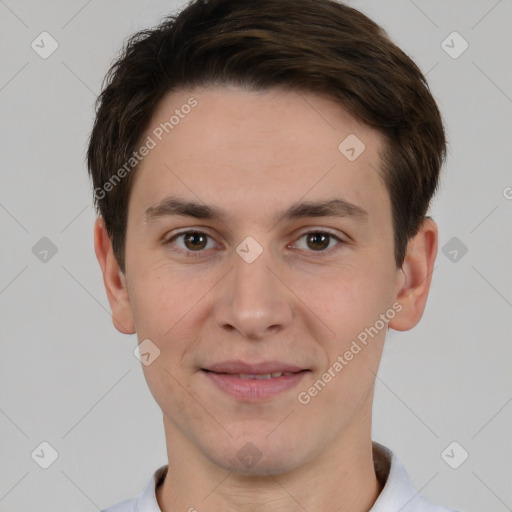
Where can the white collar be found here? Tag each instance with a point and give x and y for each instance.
(398, 493)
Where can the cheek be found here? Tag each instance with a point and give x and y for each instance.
(161, 297)
(352, 354)
(351, 299)
(351, 304)
(166, 308)
(169, 309)
(172, 393)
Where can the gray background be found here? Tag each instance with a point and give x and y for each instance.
(70, 379)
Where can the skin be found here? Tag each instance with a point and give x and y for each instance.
(254, 154)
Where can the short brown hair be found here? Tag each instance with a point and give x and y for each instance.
(320, 46)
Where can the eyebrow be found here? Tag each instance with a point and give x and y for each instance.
(175, 206)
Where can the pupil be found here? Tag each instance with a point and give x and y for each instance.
(318, 241)
(195, 241)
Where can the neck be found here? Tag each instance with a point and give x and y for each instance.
(341, 479)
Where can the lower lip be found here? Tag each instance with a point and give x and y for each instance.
(254, 389)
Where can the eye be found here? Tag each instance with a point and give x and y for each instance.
(318, 241)
(191, 241)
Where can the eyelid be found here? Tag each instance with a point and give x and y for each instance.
(326, 231)
(319, 229)
(184, 231)
(169, 239)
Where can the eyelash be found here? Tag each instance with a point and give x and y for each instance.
(199, 253)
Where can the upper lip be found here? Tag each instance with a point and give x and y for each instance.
(262, 368)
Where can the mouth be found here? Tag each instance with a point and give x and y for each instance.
(254, 382)
(257, 376)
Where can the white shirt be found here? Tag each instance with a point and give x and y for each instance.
(398, 493)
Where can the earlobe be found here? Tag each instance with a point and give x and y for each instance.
(416, 276)
(113, 279)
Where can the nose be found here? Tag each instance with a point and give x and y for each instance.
(253, 299)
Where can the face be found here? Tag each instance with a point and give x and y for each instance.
(257, 245)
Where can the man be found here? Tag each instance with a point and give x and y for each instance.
(262, 171)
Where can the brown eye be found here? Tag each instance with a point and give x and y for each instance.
(318, 241)
(195, 241)
(191, 243)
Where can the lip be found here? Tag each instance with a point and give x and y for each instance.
(226, 378)
(253, 368)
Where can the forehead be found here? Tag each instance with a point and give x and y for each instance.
(231, 147)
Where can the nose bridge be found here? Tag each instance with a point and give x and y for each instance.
(253, 300)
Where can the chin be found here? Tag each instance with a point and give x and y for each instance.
(258, 456)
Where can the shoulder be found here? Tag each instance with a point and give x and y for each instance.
(146, 501)
(123, 506)
(422, 504)
(398, 492)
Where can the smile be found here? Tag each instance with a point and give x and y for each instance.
(261, 376)
(254, 385)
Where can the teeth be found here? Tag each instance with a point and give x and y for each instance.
(263, 376)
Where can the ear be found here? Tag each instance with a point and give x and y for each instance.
(416, 276)
(113, 279)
